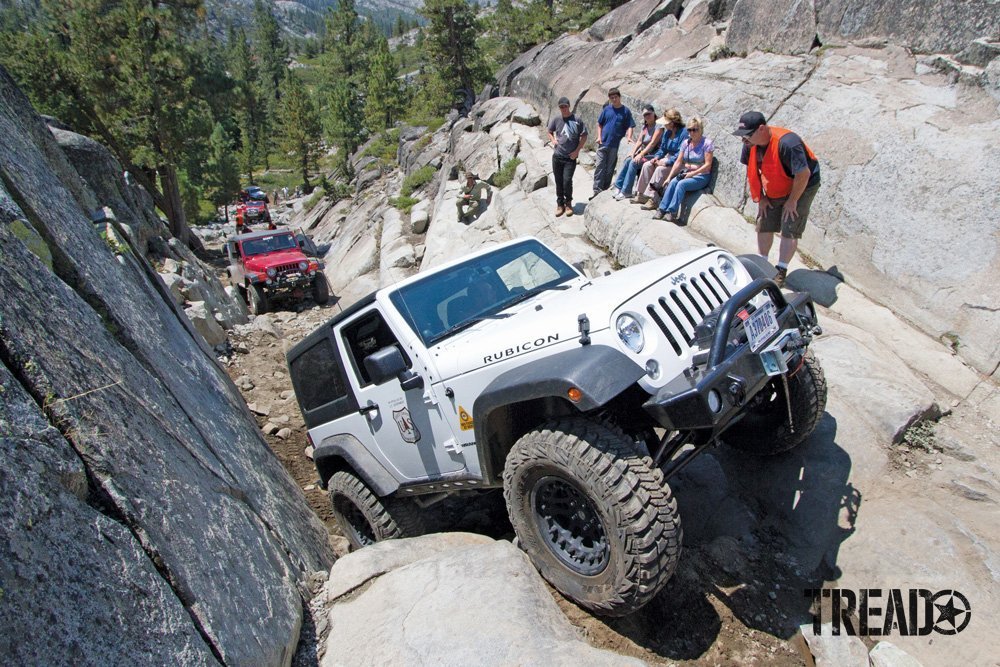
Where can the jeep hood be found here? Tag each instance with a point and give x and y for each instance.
(550, 317)
(262, 262)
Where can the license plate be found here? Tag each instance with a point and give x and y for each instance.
(762, 325)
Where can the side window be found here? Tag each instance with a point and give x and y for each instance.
(321, 385)
(368, 334)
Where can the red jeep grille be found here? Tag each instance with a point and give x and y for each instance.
(287, 268)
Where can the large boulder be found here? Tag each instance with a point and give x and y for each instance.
(924, 26)
(779, 26)
(169, 450)
(469, 601)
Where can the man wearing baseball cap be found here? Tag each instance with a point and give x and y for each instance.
(783, 175)
(568, 135)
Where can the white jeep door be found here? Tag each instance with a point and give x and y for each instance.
(413, 434)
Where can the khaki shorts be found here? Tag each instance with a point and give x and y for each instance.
(790, 229)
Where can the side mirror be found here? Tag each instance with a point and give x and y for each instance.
(388, 363)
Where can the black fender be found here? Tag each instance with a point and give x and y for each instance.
(758, 267)
(345, 452)
(598, 371)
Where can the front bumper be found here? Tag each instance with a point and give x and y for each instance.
(712, 394)
(288, 281)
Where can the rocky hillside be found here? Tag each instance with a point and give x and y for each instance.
(143, 518)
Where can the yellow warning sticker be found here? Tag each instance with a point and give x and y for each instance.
(465, 420)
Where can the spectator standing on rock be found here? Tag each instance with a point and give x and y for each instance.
(693, 169)
(568, 136)
(470, 197)
(654, 172)
(783, 175)
(614, 124)
(648, 142)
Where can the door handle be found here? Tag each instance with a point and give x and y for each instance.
(368, 409)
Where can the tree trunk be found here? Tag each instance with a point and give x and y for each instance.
(174, 208)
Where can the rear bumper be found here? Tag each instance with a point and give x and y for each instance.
(712, 395)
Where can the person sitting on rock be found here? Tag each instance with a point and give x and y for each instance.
(470, 198)
(645, 145)
(693, 169)
(654, 172)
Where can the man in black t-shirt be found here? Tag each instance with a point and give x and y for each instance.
(568, 136)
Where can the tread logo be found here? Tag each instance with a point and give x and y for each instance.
(407, 429)
(465, 420)
(915, 611)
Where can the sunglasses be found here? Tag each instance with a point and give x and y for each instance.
(694, 129)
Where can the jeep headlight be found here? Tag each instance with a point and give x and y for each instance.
(727, 268)
(272, 272)
(303, 266)
(630, 331)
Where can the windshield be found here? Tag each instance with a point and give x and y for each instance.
(449, 301)
(267, 244)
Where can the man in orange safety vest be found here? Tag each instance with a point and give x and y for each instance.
(783, 175)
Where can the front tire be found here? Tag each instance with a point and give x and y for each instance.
(766, 429)
(365, 519)
(595, 518)
(320, 289)
(257, 300)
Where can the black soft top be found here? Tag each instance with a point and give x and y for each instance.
(323, 330)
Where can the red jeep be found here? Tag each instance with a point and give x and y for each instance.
(268, 263)
(252, 212)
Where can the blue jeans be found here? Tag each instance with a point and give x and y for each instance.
(673, 197)
(626, 176)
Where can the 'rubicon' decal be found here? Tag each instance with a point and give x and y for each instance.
(407, 429)
(527, 345)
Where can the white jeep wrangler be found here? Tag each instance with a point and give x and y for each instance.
(579, 397)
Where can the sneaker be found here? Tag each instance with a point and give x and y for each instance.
(658, 215)
(649, 205)
(569, 211)
(618, 196)
(670, 217)
(640, 199)
(779, 279)
(560, 210)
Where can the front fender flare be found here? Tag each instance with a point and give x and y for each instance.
(598, 371)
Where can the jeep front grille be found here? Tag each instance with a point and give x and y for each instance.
(678, 312)
(287, 268)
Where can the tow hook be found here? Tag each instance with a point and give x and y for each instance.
(737, 390)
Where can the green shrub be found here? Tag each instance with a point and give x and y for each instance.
(505, 176)
(404, 203)
(422, 143)
(384, 146)
(417, 180)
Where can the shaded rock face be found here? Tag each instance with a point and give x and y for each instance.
(186, 508)
(884, 124)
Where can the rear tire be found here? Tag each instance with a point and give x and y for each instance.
(320, 289)
(766, 430)
(257, 300)
(596, 520)
(365, 519)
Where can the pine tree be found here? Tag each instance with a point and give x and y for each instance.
(300, 126)
(344, 49)
(452, 52)
(344, 120)
(130, 71)
(384, 94)
(222, 174)
(270, 53)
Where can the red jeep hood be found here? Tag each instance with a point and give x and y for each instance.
(262, 262)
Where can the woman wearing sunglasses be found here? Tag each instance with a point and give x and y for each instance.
(693, 169)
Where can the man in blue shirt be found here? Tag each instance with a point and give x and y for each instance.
(614, 123)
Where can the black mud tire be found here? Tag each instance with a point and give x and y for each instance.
(595, 518)
(365, 519)
(320, 289)
(766, 430)
(257, 300)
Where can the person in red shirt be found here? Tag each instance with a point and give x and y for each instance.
(783, 175)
